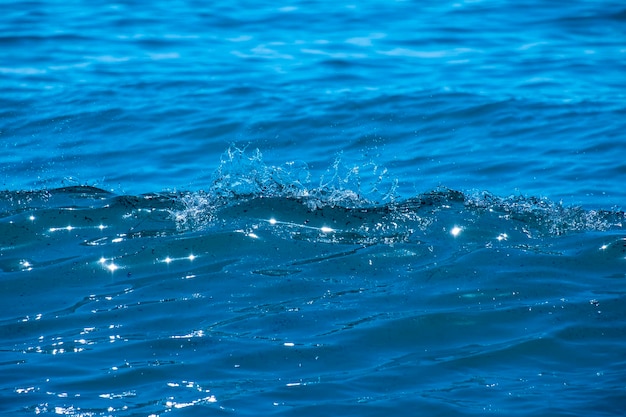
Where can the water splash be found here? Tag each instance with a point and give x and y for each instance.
(243, 175)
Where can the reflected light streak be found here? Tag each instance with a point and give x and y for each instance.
(456, 230)
(56, 229)
(195, 333)
(174, 404)
(168, 260)
(69, 227)
(111, 266)
(323, 229)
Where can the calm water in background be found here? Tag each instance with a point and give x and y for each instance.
(272, 227)
(524, 98)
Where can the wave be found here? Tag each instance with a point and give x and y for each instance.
(264, 224)
(263, 221)
(349, 205)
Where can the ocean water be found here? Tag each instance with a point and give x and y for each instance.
(365, 208)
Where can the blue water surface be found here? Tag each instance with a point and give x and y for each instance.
(310, 208)
(525, 98)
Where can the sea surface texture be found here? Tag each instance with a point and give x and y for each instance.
(373, 208)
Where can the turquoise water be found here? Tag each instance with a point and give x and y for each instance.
(374, 208)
